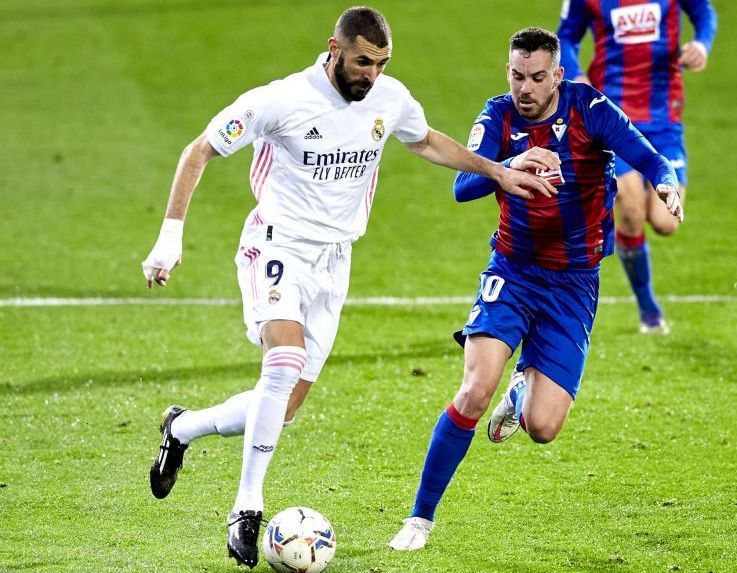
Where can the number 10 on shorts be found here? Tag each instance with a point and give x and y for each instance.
(491, 286)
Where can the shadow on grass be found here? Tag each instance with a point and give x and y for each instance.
(251, 369)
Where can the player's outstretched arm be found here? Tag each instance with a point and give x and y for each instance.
(616, 132)
(167, 252)
(440, 149)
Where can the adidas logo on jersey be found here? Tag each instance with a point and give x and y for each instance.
(313, 134)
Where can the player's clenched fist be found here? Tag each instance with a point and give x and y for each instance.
(536, 158)
(166, 254)
(693, 56)
(672, 199)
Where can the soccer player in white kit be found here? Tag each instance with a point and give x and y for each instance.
(318, 137)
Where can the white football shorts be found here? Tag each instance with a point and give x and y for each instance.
(283, 278)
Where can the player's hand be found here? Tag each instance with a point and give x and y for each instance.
(166, 254)
(525, 184)
(693, 56)
(672, 199)
(536, 158)
(159, 275)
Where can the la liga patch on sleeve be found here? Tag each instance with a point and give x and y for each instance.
(477, 134)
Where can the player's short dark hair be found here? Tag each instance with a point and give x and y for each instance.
(533, 39)
(366, 22)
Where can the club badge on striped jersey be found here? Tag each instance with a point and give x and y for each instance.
(559, 128)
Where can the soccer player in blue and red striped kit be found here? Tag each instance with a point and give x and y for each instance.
(637, 63)
(541, 286)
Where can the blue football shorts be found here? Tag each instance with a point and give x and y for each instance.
(551, 313)
(669, 142)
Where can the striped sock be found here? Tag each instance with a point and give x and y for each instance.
(264, 419)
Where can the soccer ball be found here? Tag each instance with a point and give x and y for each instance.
(299, 540)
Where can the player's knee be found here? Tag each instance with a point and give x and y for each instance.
(631, 219)
(667, 227)
(475, 399)
(542, 432)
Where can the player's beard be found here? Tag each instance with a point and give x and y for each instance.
(537, 111)
(351, 91)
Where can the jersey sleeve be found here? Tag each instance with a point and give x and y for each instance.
(485, 140)
(253, 115)
(574, 19)
(609, 125)
(704, 20)
(412, 126)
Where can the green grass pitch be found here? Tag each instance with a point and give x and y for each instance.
(98, 98)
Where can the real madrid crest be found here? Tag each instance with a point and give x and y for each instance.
(377, 132)
(274, 296)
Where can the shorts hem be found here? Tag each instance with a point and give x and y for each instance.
(461, 336)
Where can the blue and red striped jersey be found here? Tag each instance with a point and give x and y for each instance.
(636, 50)
(574, 229)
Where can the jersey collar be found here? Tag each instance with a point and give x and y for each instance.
(322, 81)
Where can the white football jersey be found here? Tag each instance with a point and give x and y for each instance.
(316, 155)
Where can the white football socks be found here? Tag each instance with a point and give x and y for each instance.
(226, 419)
(267, 405)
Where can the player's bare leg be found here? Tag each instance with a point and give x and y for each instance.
(484, 364)
(284, 359)
(299, 394)
(631, 208)
(534, 402)
(483, 367)
(545, 407)
(630, 204)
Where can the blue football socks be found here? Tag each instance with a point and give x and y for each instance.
(636, 263)
(448, 446)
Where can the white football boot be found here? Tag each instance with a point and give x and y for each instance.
(413, 535)
(656, 326)
(503, 422)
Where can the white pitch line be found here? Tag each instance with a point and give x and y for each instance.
(351, 301)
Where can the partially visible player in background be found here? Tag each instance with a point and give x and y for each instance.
(541, 287)
(318, 135)
(637, 64)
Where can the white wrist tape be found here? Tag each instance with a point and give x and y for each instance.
(173, 228)
(168, 248)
